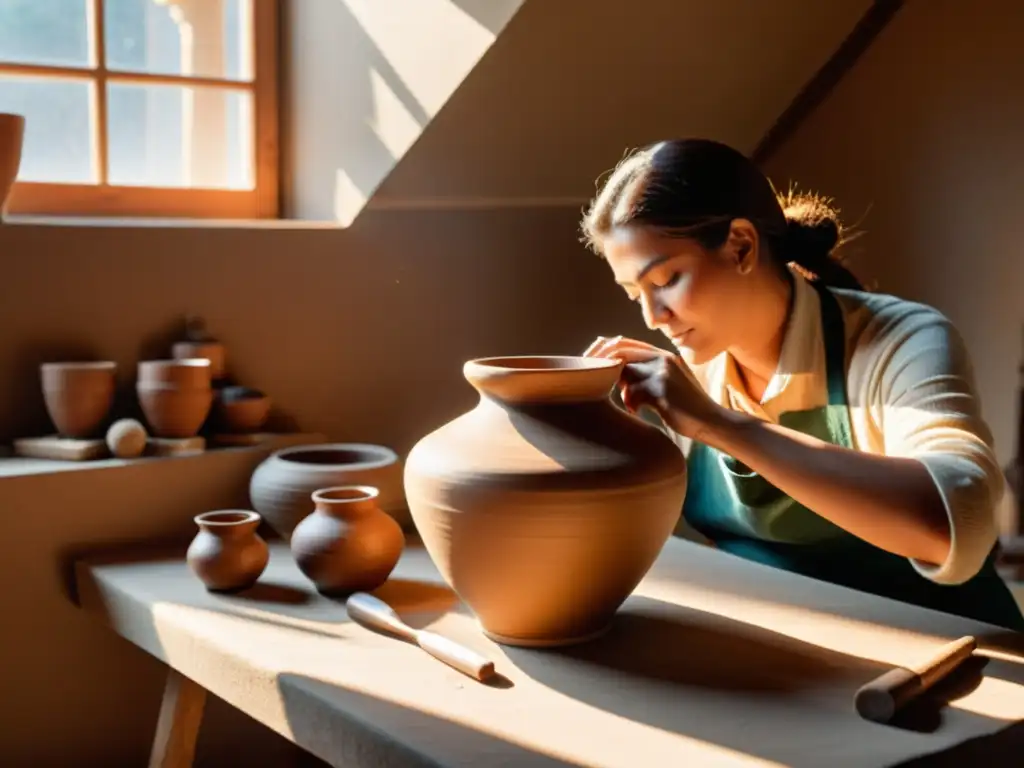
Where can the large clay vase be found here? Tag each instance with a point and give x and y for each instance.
(280, 487)
(348, 544)
(175, 395)
(78, 396)
(228, 554)
(12, 136)
(545, 505)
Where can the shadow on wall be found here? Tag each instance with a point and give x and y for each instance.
(489, 14)
(348, 148)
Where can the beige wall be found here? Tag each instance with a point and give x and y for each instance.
(924, 137)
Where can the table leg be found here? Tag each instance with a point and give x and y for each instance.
(181, 712)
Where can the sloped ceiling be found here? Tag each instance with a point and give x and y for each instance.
(566, 86)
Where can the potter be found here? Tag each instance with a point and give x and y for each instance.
(828, 430)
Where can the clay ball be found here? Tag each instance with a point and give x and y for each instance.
(126, 438)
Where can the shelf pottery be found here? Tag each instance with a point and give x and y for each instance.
(78, 395)
(175, 395)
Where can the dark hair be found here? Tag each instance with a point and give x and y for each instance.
(696, 187)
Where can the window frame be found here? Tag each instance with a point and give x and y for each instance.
(34, 198)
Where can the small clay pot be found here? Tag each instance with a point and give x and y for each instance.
(78, 396)
(348, 544)
(208, 350)
(241, 409)
(227, 554)
(175, 395)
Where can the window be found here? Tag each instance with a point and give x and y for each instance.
(143, 107)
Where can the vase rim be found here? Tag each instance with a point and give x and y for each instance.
(80, 365)
(183, 362)
(227, 518)
(345, 494)
(355, 455)
(543, 363)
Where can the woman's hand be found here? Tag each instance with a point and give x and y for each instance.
(661, 380)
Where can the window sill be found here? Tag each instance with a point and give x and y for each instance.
(20, 466)
(122, 222)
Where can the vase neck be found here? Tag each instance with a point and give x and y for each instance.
(543, 379)
(346, 502)
(229, 524)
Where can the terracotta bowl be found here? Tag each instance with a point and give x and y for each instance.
(174, 413)
(247, 414)
(280, 487)
(78, 395)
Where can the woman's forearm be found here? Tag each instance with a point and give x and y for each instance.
(887, 501)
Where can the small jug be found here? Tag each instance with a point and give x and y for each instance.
(227, 554)
(348, 543)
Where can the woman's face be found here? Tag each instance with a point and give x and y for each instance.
(701, 300)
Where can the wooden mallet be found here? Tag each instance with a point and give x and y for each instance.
(884, 696)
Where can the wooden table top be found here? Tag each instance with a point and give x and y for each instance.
(712, 661)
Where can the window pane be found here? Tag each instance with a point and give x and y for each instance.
(142, 36)
(44, 32)
(172, 136)
(58, 127)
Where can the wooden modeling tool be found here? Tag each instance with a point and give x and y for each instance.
(377, 614)
(880, 699)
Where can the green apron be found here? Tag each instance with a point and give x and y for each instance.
(745, 515)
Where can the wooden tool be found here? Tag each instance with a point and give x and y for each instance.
(372, 611)
(880, 699)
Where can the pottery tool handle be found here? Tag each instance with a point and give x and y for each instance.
(454, 655)
(374, 612)
(880, 699)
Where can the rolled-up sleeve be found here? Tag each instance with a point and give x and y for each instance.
(931, 413)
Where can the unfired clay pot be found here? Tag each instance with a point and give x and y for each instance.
(348, 544)
(12, 137)
(175, 395)
(78, 396)
(227, 554)
(280, 487)
(545, 505)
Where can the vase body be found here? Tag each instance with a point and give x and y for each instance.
(281, 485)
(78, 395)
(175, 395)
(12, 137)
(228, 554)
(348, 544)
(545, 505)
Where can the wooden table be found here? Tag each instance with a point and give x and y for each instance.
(713, 661)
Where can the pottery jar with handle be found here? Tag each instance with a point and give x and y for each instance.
(175, 395)
(348, 544)
(228, 554)
(78, 395)
(545, 505)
